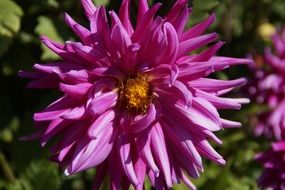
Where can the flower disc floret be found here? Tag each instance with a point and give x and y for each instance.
(136, 95)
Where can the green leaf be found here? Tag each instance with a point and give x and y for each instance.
(38, 176)
(205, 5)
(46, 27)
(10, 18)
(201, 10)
(6, 134)
(5, 43)
(101, 2)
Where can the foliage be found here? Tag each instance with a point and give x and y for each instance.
(25, 166)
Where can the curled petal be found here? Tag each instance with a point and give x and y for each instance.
(102, 102)
(100, 123)
(93, 153)
(75, 113)
(141, 123)
(76, 91)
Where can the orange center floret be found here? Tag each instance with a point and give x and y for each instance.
(136, 94)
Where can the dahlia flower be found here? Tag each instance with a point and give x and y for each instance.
(273, 161)
(136, 101)
(269, 89)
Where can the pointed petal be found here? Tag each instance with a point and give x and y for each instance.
(199, 29)
(142, 9)
(160, 151)
(192, 44)
(124, 148)
(124, 14)
(83, 33)
(89, 7)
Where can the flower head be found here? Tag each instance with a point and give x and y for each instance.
(269, 89)
(136, 100)
(273, 162)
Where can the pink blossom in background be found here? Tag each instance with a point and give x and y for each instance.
(269, 89)
(136, 101)
(273, 161)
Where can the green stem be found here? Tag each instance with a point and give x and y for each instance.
(7, 170)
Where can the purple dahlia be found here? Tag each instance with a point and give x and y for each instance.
(136, 101)
(269, 89)
(273, 161)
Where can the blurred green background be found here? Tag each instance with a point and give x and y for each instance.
(243, 25)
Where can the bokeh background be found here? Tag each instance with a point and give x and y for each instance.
(245, 26)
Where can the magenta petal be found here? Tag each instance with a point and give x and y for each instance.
(278, 146)
(230, 124)
(219, 103)
(87, 53)
(183, 90)
(124, 15)
(188, 145)
(160, 151)
(140, 169)
(199, 29)
(101, 172)
(74, 113)
(213, 85)
(231, 61)
(94, 153)
(142, 9)
(88, 7)
(83, 33)
(183, 143)
(209, 53)
(76, 91)
(120, 38)
(116, 172)
(197, 117)
(143, 146)
(206, 150)
(189, 184)
(180, 22)
(100, 123)
(140, 123)
(102, 102)
(195, 43)
(126, 160)
(53, 128)
(49, 115)
(145, 22)
(176, 9)
(59, 49)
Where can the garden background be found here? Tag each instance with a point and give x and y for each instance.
(245, 26)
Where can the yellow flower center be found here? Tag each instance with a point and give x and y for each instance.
(136, 94)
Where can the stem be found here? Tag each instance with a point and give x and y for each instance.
(7, 170)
